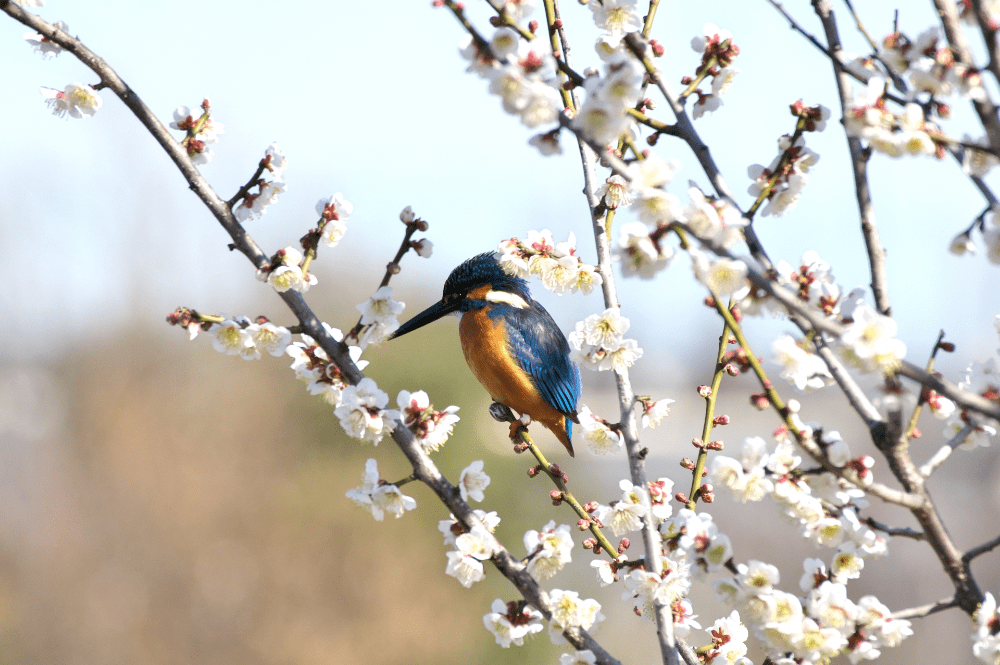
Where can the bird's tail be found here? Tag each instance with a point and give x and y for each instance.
(562, 427)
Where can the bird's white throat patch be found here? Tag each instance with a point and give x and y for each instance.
(511, 299)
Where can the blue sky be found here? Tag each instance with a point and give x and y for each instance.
(101, 229)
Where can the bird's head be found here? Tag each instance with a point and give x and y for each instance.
(475, 283)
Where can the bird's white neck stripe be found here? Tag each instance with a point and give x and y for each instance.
(511, 299)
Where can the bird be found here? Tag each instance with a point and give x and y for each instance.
(512, 344)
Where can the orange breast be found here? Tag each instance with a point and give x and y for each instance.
(485, 347)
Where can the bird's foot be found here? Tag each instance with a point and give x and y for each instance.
(518, 429)
(502, 413)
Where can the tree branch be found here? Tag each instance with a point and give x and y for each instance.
(859, 165)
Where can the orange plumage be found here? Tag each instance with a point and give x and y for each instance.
(485, 347)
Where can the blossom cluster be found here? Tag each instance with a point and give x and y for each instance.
(549, 550)
(246, 338)
(641, 247)
(333, 212)
(571, 611)
(556, 264)
(694, 540)
(313, 366)
(431, 427)
(869, 341)
(603, 117)
(284, 272)
(908, 132)
(729, 642)
(598, 342)
(199, 129)
(253, 205)
(523, 77)
(362, 411)
(814, 628)
(822, 505)
(781, 182)
(813, 282)
(929, 64)
(824, 622)
(378, 497)
(465, 562)
(717, 51)
(379, 318)
(471, 548)
(511, 622)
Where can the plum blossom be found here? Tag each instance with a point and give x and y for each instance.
(569, 610)
(556, 264)
(42, 44)
(362, 411)
(511, 622)
(626, 514)
(800, 367)
(229, 337)
(417, 414)
(472, 481)
(266, 337)
(313, 366)
(869, 342)
(465, 562)
(600, 438)
(597, 342)
(723, 276)
(284, 273)
(379, 317)
(780, 183)
(614, 192)
(640, 252)
(378, 497)
(451, 528)
(617, 17)
(334, 212)
(76, 100)
(549, 550)
(653, 413)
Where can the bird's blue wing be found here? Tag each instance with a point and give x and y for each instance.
(540, 347)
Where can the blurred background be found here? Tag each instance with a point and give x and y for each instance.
(162, 503)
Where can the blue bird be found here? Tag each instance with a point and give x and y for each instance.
(512, 345)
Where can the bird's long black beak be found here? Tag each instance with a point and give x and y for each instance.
(432, 313)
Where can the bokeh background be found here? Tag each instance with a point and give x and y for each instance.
(162, 503)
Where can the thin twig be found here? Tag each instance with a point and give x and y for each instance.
(895, 531)
(945, 451)
(981, 549)
(925, 610)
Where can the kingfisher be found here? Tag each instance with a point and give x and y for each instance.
(512, 345)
